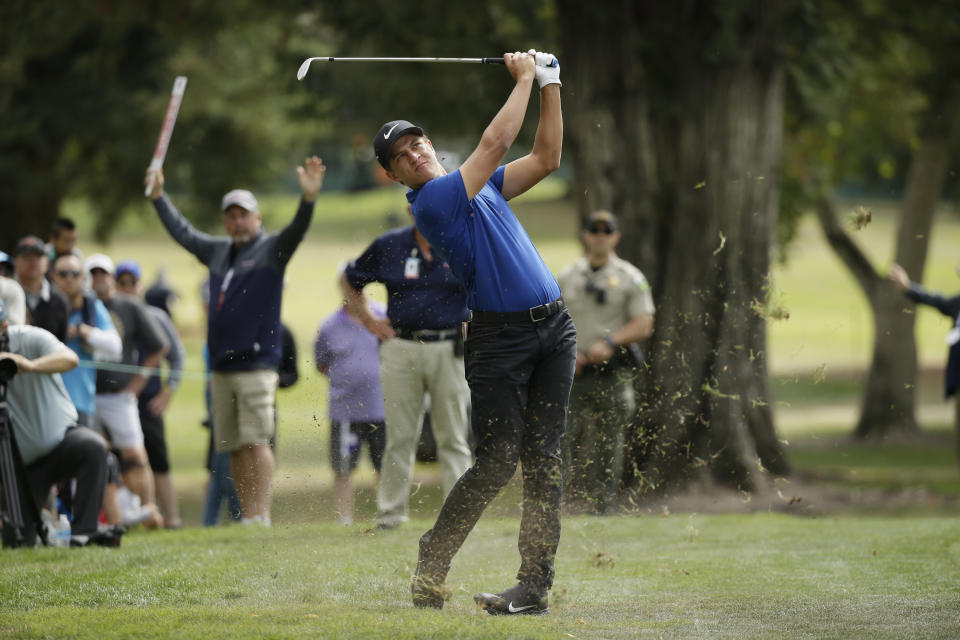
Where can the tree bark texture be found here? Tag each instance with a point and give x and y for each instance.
(694, 182)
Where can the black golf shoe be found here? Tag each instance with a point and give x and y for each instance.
(522, 599)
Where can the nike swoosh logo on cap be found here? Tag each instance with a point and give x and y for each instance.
(513, 609)
(386, 136)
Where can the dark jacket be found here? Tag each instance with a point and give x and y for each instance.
(246, 287)
(52, 314)
(948, 307)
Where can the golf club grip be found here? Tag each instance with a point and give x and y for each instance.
(492, 61)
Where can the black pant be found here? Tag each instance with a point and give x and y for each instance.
(520, 374)
(82, 454)
(154, 438)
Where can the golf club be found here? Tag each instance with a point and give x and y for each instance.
(302, 71)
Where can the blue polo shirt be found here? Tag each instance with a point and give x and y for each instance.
(421, 294)
(486, 246)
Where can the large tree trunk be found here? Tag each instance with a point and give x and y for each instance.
(888, 404)
(694, 181)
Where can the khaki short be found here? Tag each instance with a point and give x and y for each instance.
(242, 403)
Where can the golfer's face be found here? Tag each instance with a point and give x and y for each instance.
(241, 224)
(414, 162)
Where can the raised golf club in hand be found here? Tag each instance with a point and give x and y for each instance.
(548, 68)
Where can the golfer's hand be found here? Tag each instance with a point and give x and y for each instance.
(311, 175)
(899, 276)
(157, 189)
(546, 72)
(520, 65)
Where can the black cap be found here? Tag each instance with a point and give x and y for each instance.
(603, 217)
(30, 244)
(388, 135)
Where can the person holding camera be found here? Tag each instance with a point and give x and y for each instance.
(612, 307)
(52, 447)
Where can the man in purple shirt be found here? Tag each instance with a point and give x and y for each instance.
(346, 352)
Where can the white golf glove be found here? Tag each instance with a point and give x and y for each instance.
(548, 68)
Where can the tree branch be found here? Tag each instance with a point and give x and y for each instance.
(846, 249)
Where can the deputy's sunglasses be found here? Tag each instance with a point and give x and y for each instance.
(604, 229)
(65, 273)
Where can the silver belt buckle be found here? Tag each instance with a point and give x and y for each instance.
(536, 320)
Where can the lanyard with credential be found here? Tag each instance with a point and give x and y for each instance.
(223, 288)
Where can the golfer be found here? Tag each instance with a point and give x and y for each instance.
(520, 345)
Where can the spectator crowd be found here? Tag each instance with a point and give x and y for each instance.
(391, 368)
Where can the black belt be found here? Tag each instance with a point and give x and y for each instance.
(429, 335)
(534, 314)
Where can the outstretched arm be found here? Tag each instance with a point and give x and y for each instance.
(544, 158)
(503, 129)
(196, 242)
(310, 175)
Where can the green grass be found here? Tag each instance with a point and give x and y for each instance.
(738, 576)
(887, 567)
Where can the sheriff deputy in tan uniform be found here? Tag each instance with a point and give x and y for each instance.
(612, 307)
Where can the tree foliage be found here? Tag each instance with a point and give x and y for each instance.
(884, 106)
(85, 88)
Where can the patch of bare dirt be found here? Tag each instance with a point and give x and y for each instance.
(796, 496)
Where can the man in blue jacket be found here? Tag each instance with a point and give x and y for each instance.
(520, 348)
(243, 324)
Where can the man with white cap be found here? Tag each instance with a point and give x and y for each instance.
(243, 324)
(117, 410)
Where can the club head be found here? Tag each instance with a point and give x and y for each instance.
(302, 71)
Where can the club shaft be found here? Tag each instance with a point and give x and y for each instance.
(302, 71)
(465, 60)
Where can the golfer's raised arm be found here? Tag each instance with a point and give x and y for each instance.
(544, 158)
(503, 129)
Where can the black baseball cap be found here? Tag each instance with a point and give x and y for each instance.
(388, 135)
(30, 244)
(601, 217)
